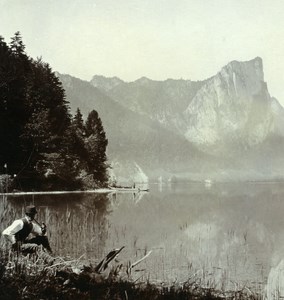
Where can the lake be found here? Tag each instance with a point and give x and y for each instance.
(221, 235)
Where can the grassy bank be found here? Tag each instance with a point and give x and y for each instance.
(45, 277)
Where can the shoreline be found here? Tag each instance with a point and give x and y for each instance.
(97, 191)
(56, 192)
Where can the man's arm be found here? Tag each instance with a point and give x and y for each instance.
(36, 229)
(10, 231)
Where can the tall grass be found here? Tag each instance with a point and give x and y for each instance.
(36, 278)
(5, 183)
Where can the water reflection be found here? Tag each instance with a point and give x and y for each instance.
(227, 234)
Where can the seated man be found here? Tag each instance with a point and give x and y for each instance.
(18, 233)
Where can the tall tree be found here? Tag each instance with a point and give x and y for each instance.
(78, 121)
(46, 130)
(15, 69)
(96, 143)
(5, 54)
(77, 138)
(17, 46)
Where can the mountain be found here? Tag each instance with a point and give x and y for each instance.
(230, 110)
(132, 137)
(222, 128)
(104, 83)
(233, 108)
(162, 101)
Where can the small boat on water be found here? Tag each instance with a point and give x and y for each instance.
(129, 189)
(208, 182)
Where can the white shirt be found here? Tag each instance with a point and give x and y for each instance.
(16, 226)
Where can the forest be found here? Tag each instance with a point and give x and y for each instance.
(42, 146)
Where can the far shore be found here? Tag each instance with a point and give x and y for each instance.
(100, 191)
(56, 192)
(127, 189)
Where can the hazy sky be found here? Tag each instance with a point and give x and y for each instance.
(159, 39)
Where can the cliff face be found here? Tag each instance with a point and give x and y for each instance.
(233, 107)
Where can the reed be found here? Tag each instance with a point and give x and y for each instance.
(5, 183)
(31, 277)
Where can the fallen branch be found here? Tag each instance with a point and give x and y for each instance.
(104, 263)
(128, 271)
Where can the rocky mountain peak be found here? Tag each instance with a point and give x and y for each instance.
(232, 107)
(105, 83)
(143, 81)
(252, 67)
(240, 77)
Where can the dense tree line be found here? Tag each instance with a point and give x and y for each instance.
(42, 146)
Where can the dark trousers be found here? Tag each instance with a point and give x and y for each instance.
(32, 245)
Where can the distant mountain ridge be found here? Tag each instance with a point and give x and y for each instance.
(163, 101)
(132, 137)
(105, 84)
(232, 107)
(189, 129)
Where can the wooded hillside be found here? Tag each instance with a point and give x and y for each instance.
(42, 146)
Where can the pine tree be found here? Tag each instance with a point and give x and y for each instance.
(4, 95)
(15, 69)
(78, 120)
(48, 127)
(17, 46)
(77, 139)
(96, 143)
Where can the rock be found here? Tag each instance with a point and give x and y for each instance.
(275, 282)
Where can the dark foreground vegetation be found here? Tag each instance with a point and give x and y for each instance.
(41, 278)
(42, 146)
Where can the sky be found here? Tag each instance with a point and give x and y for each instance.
(159, 39)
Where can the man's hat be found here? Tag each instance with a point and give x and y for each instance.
(31, 209)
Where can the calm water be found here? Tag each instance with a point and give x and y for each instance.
(223, 235)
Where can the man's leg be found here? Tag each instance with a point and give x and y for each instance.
(29, 248)
(32, 246)
(40, 240)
